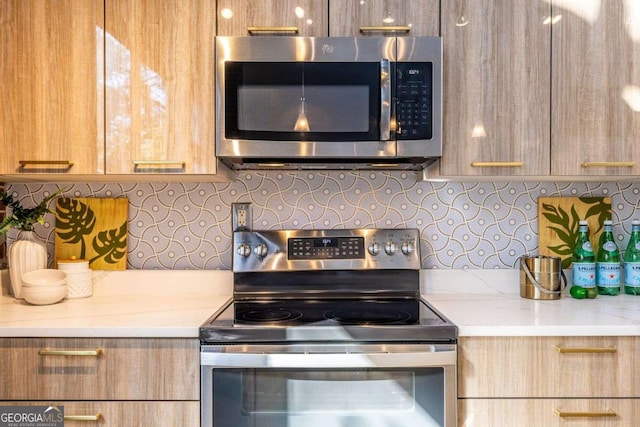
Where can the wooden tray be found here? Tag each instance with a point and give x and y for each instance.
(558, 223)
(94, 229)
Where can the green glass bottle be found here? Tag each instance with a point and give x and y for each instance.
(608, 268)
(583, 263)
(632, 261)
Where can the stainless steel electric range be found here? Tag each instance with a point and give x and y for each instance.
(327, 327)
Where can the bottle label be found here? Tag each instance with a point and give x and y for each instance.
(584, 274)
(586, 246)
(632, 273)
(610, 246)
(608, 274)
(638, 246)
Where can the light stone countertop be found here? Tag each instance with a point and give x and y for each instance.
(131, 303)
(173, 303)
(488, 303)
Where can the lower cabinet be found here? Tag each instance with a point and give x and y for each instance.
(548, 412)
(548, 381)
(105, 381)
(117, 414)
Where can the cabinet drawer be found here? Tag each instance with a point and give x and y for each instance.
(156, 414)
(548, 412)
(122, 369)
(548, 367)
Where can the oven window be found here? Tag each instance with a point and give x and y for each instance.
(265, 100)
(321, 398)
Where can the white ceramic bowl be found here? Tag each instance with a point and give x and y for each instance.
(43, 278)
(44, 295)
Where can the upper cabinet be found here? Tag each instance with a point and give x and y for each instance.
(351, 18)
(596, 88)
(159, 86)
(272, 17)
(496, 118)
(50, 107)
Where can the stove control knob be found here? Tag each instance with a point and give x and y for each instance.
(390, 247)
(260, 250)
(374, 248)
(244, 250)
(407, 248)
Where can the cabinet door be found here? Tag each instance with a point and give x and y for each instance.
(51, 107)
(548, 412)
(99, 369)
(596, 89)
(160, 86)
(548, 367)
(496, 87)
(272, 17)
(384, 17)
(155, 413)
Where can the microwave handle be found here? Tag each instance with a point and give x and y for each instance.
(385, 100)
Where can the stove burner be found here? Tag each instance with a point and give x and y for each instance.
(268, 314)
(375, 316)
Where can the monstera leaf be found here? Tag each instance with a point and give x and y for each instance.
(110, 244)
(75, 220)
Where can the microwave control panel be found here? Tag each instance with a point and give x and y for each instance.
(413, 100)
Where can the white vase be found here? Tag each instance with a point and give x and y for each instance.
(26, 254)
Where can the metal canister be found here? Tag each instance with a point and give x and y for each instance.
(541, 277)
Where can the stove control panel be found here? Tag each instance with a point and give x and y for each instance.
(353, 249)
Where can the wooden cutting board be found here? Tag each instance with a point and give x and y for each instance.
(94, 229)
(558, 223)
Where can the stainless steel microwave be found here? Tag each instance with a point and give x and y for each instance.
(328, 103)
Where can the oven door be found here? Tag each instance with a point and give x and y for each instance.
(328, 385)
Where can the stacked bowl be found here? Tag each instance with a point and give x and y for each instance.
(44, 286)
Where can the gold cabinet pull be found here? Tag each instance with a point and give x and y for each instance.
(608, 164)
(257, 30)
(48, 352)
(386, 28)
(95, 417)
(56, 164)
(497, 164)
(606, 413)
(585, 349)
(142, 165)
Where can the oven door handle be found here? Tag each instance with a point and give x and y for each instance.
(385, 100)
(329, 360)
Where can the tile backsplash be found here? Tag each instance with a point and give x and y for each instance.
(462, 225)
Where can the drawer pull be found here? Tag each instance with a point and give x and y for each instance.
(255, 30)
(95, 417)
(48, 352)
(386, 29)
(59, 164)
(608, 164)
(607, 413)
(140, 165)
(497, 164)
(585, 349)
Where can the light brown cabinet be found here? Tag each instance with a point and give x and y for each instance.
(596, 89)
(159, 86)
(118, 378)
(416, 18)
(548, 380)
(496, 112)
(272, 17)
(51, 109)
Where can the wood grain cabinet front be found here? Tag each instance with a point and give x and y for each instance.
(99, 369)
(51, 111)
(116, 414)
(548, 380)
